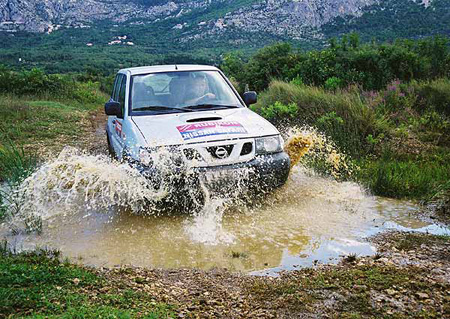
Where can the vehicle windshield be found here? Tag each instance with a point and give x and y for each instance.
(181, 92)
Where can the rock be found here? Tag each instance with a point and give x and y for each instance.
(422, 295)
(391, 292)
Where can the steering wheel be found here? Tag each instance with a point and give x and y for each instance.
(206, 98)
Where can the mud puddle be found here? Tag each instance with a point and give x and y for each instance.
(95, 212)
(310, 220)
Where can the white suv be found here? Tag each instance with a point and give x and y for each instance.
(194, 112)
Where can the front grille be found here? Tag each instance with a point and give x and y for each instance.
(246, 148)
(220, 152)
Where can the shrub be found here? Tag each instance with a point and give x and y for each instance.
(371, 66)
(34, 82)
(433, 94)
(297, 81)
(333, 83)
(341, 115)
(279, 111)
(39, 84)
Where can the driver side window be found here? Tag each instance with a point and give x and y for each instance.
(115, 92)
(122, 91)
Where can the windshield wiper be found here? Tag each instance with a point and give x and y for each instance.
(155, 108)
(208, 106)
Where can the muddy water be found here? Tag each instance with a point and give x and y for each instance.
(310, 219)
(96, 212)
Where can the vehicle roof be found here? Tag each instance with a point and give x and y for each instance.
(168, 68)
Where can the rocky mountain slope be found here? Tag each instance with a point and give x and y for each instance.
(44, 16)
(195, 19)
(282, 17)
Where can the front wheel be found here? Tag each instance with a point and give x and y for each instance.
(110, 148)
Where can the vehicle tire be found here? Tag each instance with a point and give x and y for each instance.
(110, 148)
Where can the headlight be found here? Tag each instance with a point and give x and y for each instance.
(267, 145)
(145, 157)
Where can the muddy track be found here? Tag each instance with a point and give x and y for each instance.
(94, 139)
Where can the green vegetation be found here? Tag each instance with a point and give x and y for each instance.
(398, 19)
(42, 109)
(39, 285)
(387, 106)
(372, 66)
(41, 113)
(402, 146)
(156, 42)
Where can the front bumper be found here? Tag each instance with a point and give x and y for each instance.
(263, 172)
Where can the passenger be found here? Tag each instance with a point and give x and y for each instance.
(177, 89)
(143, 95)
(198, 92)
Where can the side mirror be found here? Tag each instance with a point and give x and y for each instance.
(250, 97)
(113, 108)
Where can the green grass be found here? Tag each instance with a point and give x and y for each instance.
(39, 285)
(412, 178)
(15, 166)
(48, 119)
(341, 115)
(399, 137)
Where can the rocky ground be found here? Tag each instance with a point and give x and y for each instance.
(409, 277)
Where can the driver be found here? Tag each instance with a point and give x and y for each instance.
(199, 91)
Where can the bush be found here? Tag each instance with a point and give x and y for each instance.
(34, 82)
(433, 95)
(271, 62)
(342, 115)
(279, 111)
(371, 66)
(333, 83)
(83, 88)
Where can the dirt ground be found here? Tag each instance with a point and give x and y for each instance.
(408, 278)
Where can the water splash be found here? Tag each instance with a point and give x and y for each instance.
(306, 216)
(309, 147)
(75, 179)
(76, 182)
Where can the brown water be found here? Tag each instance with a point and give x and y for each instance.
(311, 218)
(82, 200)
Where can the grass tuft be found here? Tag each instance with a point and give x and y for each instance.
(39, 285)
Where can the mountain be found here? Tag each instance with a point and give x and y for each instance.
(201, 19)
(73, 34)
(48, 15)
(290, 18)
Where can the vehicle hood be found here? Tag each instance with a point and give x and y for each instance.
(204, 126)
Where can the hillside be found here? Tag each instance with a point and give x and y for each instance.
(62, 36)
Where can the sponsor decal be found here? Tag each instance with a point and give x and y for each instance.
(197, 130)
(118, 128)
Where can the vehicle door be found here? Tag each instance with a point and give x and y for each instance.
(116, 129)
